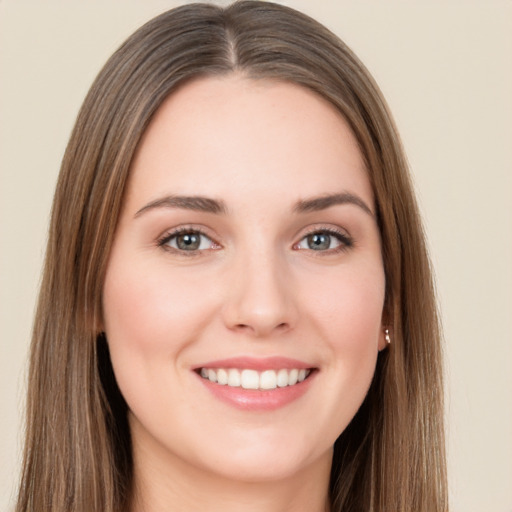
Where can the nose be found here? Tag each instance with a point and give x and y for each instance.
(261, 300)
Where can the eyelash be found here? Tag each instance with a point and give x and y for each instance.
(164, 240)
(346, 242)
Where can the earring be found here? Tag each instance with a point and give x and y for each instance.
(387, 337)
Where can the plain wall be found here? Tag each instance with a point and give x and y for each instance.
(445, 68)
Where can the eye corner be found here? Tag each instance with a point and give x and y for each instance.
(320, 239)
(194, 242)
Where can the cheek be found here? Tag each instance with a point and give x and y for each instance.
(348, 308)
(146, 304)
(150, 317)
(348, 316)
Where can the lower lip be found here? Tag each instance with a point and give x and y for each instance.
(258, 400)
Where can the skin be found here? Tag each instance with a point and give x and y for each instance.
(255, 287)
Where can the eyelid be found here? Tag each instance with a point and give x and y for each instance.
(169, 234)
(345, 239)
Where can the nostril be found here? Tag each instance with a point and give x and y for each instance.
(260, 329)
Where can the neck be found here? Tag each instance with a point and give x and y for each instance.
(174, 485)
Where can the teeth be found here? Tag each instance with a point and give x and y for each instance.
(268, 380)
(234, 378)
(222, 377)
(282, 378)
(252, 379)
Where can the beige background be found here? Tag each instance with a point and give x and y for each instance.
(446, 70)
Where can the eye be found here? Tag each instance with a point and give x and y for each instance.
(187, 240)
(325, 240)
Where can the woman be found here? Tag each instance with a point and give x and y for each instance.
(237, 309)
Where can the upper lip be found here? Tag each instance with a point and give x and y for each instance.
(257, 363)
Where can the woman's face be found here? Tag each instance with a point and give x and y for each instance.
(247, 252)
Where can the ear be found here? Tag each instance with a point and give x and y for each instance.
(384, 337)
(386, 330)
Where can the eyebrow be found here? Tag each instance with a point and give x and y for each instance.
(315, 204)
(196, 203)
(215, 206)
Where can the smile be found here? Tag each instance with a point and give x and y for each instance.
(257, 384)
(253, 379)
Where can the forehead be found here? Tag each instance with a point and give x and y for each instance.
(235, 134)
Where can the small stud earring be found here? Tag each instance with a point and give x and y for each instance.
(387, 337)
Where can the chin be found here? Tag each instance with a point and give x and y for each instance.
(266, 457)
(268, 467)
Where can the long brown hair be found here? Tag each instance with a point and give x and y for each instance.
(77, 452)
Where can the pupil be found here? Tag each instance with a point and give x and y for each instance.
(319, 241)
(188, 241)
